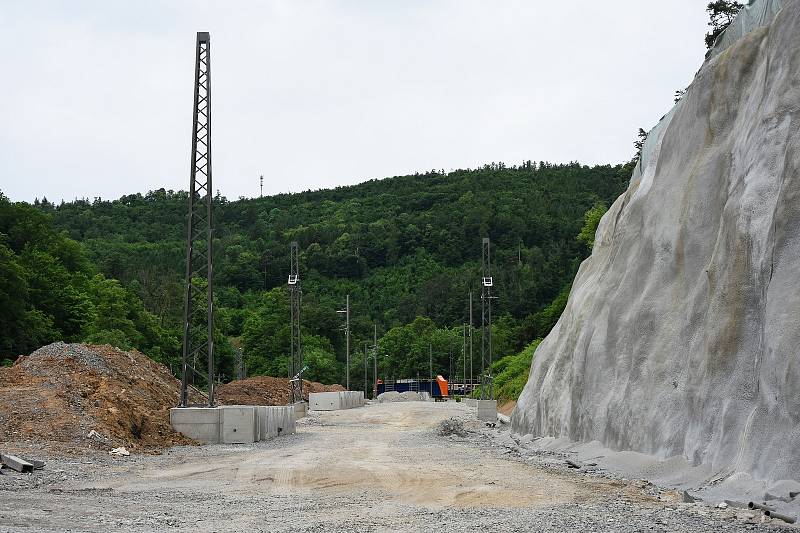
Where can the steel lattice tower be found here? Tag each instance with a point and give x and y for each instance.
(487, 387)
(198, 342)
(295, 293)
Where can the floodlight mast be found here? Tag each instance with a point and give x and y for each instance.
(198, 338)
(487, 388)
(295, 294)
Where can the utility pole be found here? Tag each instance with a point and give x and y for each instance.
(375, 362)
(450, 377)
(295, 294)
(464, 358)
(366, 390)
(430, 363)
(471, 382)
(198, 339)
(346, 312)
(486, 323)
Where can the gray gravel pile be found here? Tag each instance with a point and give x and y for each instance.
(39, 363)
(451, 426)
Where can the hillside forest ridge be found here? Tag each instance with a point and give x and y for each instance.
(406, 249)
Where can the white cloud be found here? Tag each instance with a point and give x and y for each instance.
(97, 97)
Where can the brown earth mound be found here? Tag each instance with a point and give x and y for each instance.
(266, 390)
(77, 398)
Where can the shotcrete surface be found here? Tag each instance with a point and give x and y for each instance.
(680, 337)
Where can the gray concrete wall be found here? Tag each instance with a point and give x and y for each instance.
(487, 410)
(233, 424)
(237, 424)
(198, 423)
(333, 401)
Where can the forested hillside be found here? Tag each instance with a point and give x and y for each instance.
(402, 247)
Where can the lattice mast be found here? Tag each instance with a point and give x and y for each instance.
(198, 311)
(487, 387)
(295, 294)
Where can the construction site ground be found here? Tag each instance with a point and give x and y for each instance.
(384, 467)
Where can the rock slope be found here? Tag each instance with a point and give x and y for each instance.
(682, 331)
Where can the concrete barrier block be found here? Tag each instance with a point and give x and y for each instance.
(275, 420)
(300, 409)
(487, 410)
(237, 424)
(334, 401)
(199, 423)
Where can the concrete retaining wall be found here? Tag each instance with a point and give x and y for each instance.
(300, 409)
(237, 424)
(198, 423)
(471, 402)
(334, 401)
(275, 420)
(233, 424)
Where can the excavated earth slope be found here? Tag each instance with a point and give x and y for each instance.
(78, 399)
(266, 390)
(682, 331)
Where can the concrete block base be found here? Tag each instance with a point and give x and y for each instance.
(334, 401)
(275, 420)
(198, 423)
(487, 410)
(471, 402)
(300, 409)
(233, 424)
(238, 424)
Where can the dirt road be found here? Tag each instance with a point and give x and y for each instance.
(379, 468)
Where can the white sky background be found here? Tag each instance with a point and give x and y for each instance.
(96, 96)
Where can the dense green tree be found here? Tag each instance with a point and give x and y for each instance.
(406, 249)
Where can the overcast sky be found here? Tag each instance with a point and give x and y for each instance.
(96, 95)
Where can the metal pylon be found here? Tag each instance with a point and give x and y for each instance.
(487, 387)
(295, 294)
(198, 311)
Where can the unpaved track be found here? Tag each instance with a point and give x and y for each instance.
(380, 468)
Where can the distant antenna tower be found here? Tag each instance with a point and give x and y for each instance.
(198, 341)
(296, 361)
(487, 387)
(261, 179)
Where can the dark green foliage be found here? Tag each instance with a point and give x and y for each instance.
(511, 373)
(590, 222)
(721, 13)
(403, 248)
(49, 291)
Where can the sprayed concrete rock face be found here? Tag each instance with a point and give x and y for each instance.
(682, 332)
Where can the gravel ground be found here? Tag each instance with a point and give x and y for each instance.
(380, 468)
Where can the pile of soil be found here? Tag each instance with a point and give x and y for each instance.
(78, 398)
(265, 390)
